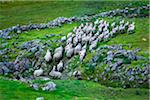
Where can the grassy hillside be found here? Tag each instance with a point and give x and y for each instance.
(23, 12)
(141, 32)
(69, 90)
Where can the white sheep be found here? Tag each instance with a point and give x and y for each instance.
(82, 54)
(60, 66)
(57, 56)
(59, 49)
(85, 39)
(92, 39)
(38, 72)
(54, 73)
(93, 45)
(75, 40)
(77, 48)
(48, 56)
(70, 45)
(70, 52)
(131, 27)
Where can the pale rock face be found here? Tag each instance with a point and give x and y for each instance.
(69, 40)
(93, 45)
(38, 72)
(48, 56)
(49, 86)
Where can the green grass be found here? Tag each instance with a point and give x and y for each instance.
(69, 90)
(23, 12)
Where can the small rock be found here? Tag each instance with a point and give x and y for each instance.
(40, 98)
(49, 86)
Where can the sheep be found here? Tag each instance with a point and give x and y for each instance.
(93, 45)
(69, 40)
(80, 32)
(57, 56)
(60, 66)
(126, 24)
(48, 56)
(85, 27)
(70, 52)
(115, 30)
(59, 49)
(77, 48)
(70, 45)
(85, 39)
(38, 72)
(106, 31)
(131, 28)
(75, 40)
(54, 73)
(106, 37)
(92, 39)
(82, 54)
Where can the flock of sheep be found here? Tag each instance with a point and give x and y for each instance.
(84, 37)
